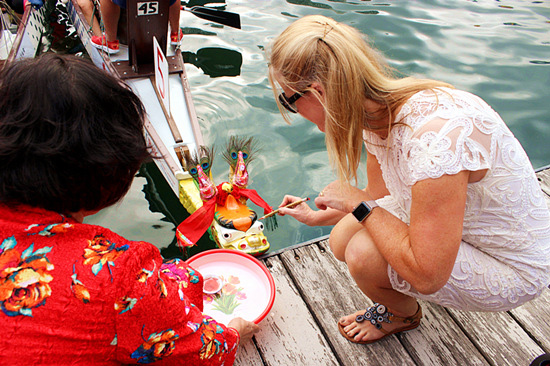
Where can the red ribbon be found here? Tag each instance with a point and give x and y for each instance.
(191, 229)
(252, 195)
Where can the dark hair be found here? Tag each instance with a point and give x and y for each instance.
(71, 135)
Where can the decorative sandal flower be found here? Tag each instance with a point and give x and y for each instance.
(379, 314)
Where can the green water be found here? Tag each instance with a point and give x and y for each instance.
(499, 50)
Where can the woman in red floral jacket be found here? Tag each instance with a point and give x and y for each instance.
(71, 141)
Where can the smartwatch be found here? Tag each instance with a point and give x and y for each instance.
(363, 210)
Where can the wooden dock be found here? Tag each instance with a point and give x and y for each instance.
(314, 290)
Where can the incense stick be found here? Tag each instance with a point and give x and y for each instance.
(290, 205)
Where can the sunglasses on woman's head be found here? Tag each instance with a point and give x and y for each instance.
(288, 102)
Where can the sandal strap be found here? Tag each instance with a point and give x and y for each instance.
(378, 314)
(409, 319)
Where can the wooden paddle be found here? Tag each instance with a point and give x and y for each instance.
(216, 61)
(218, 16)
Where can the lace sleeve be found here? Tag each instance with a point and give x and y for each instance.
(447, 146)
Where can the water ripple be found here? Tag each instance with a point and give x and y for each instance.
(498, 50)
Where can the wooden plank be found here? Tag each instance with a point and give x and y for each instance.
(248, 355)
(497, 336)
(544, 180)
(534, 318)
(440, 341)
(145, 21)
(330, 292)
(445, 337)
(288, 335)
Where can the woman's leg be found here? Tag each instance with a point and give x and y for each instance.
(174, 16)
(370, 271)
(110, 13)
(88, 10)
(341, 235)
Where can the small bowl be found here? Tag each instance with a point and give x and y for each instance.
(212, 284)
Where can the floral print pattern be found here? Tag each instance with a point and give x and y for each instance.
(140, 293)
(181, 275)
(210, 344)
(144, 275)
(101, 251)
(24, 278)
(156, 347)
(162, 288)
(229, 297)
(51, 229)
(124, 304)
(79, 290)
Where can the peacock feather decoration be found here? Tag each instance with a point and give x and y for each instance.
(199, 166)
(233, 225)
(238, 154)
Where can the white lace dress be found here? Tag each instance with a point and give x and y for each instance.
(504, 258)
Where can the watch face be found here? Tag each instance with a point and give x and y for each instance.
(361, 211)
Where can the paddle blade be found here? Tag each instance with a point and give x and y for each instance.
(218, 16)
(215, 61)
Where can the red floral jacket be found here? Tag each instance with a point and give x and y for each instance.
(73, 293)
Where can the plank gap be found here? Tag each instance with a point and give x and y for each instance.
(309, 307)
(254, 340)
(470, 337)
(528, 332)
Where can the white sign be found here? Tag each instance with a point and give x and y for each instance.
(161, 75)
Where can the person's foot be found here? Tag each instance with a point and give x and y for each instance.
(366, 332)
(101, 43)
(176, 37)
(361, 332)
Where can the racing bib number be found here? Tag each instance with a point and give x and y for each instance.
(147, 8)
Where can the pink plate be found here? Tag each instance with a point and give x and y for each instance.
(248, 288)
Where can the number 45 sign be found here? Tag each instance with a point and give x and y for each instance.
(147, 8)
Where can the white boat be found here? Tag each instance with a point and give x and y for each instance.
(24, 42)
(155, 71)
(172, 128)
(172, 133)
(7, 35)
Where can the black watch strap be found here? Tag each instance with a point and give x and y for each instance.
(363, 210)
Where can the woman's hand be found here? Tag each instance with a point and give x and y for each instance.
(340, 196)
(303, 213)
(245, 328)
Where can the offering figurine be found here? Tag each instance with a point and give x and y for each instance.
(233, 225)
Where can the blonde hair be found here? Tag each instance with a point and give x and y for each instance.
(317, 49)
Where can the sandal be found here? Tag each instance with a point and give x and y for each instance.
(378, 314)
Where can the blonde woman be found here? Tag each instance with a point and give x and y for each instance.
(452, 213)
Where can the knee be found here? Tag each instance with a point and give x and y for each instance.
(358, 257)
(365, 262)
(337, 247)
(85, 5)
(338, 243)
(340, 236)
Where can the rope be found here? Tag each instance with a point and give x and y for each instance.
(4, 26)
(98, 12)
(12, 14)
